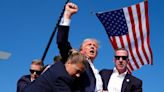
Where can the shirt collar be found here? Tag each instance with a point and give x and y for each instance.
(122, 74)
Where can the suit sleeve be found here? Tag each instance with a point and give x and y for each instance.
(62, 42)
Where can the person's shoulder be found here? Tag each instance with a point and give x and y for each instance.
(136, 79)
(25, 78)
(58, 65)
(56, 70)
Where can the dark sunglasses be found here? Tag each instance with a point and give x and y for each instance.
(37, 72)
(123, 57)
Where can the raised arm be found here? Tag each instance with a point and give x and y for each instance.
(63, 31)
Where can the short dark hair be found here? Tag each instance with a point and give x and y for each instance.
(122, 49)
(37, 62)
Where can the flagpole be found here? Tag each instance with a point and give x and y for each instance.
(52, 35)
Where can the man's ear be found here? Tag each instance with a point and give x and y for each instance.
(82, 51)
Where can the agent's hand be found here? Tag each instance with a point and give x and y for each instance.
(70, 9)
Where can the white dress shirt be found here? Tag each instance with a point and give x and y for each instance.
(65, 22)
(99, 83)
(115, 81)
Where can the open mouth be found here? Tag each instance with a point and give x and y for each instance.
(92, 51)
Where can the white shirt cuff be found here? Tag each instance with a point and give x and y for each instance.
(65, 22)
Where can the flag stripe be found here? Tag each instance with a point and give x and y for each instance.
(141, 32)
(134, 36)
(130, 39)
(145, 32)
(138, 36)
(129, 46)
(148, 32)
(121, 40)
(132, 54)
(118, 41)
(127, 43)
(114, 44)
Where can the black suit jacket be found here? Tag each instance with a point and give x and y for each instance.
(130, 83)
(55, 79)
(87, 81)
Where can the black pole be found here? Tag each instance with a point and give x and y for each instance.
(53, 33)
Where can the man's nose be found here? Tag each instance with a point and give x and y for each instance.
(92, 47)
(120, 59)
(34, 73)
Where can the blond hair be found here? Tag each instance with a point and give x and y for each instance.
(75, 57)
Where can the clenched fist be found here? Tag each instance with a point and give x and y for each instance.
(70, 9)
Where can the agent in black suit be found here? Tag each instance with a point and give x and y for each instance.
(90, 80)
(59, 77)
(35, 71)
(118, 79)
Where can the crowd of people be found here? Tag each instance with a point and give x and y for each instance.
(75, 71)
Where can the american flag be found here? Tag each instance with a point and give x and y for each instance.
(129, 28)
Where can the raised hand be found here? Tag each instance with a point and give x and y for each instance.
(70, 9)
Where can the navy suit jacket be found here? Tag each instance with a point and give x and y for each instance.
(86, 82)
(23, 82)
(130, 83)
(55, 79)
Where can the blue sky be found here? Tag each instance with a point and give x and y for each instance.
(26, 26)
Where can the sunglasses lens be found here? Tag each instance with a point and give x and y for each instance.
(123, 57)
(32, 71)
(117, 57)
(37, 72)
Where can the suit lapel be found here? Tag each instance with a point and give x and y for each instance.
(126, 81)
(91, 76)
(108, 78)
(106, 74)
